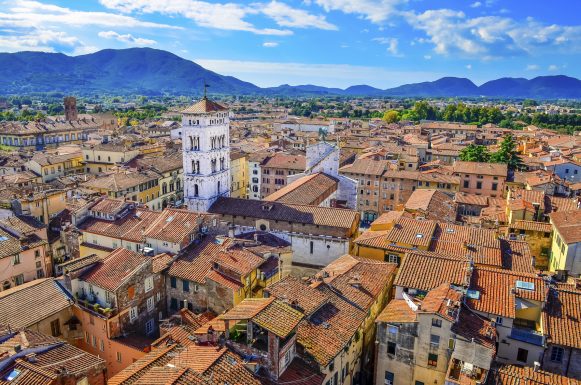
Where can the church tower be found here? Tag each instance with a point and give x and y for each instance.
(206, 154)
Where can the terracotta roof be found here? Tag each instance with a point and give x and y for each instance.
(32, 302)
(197, 262)
(567, 224)
(425, 273)
(473, 327)
(323, 216)
(296, 291)
(247, 309)
(204, 106)
(495, 169)
(442, 300)
(326, 333)
(519, 224)
(397, 311)
(365, 167)
(278, 318)
(519, 375)
(359, 280)
(161, 262)
(112, 271)
(109, 205)
(412, 232)
(286, 161)
(52, 354)
(498, 291)
(308, 190)
(170, 225)
(562, 317)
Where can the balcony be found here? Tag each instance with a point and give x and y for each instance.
(529, 336)
(92, 306)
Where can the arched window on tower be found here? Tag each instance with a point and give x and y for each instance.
(192, 142)
(218, 187)
(221, 164)
(213, 163)
(194, 169)
(196, 190)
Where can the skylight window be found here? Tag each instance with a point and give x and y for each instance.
(525, 285)
(473, 294)
(12, 375)
(449, 231)
(418, 235)
(3, 238)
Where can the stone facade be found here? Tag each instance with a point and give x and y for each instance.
(206, 155)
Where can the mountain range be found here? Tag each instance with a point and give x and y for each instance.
(148, 71)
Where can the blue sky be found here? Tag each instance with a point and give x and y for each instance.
(382, 43)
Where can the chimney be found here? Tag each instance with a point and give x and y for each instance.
(70, 108)
(537, 366)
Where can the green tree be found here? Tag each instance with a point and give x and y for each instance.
(391, 116)
(508, 154)
(475, 153)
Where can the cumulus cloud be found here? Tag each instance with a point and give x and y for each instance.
(553, 67)
(489, 37)
(126, 38)
(468, 66)
(270, 44)
(228, 16)
(532, 67)
(37, 40)
(476, 4)
(286, 16)
(391, 43)
(376, 11)
(33, 14)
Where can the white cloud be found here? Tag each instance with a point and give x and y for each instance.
(468, 66)
(286, 16)
(37, 40)
(428, 57)
(391, 43)
(532, 67)
(227, 16)
(476, 4)
(268, 74)
(33, 14)
(270, 44)
(126, 38)
(376, 11)
(553, 67)
(490, 37)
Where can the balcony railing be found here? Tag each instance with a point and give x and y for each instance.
(527, 335)
(95, 307)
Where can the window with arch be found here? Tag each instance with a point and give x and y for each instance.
(164, 188)
(213, 164)
(179, 185)
(219, 187)
(196, 190)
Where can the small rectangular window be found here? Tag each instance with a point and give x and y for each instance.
(436, 322)
(432, 359)
(173, 282)
(186, 286)
(557, 354)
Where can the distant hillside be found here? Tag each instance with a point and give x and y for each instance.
(135, 70)
(149, 71)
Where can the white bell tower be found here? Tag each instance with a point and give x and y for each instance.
(206, 154)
